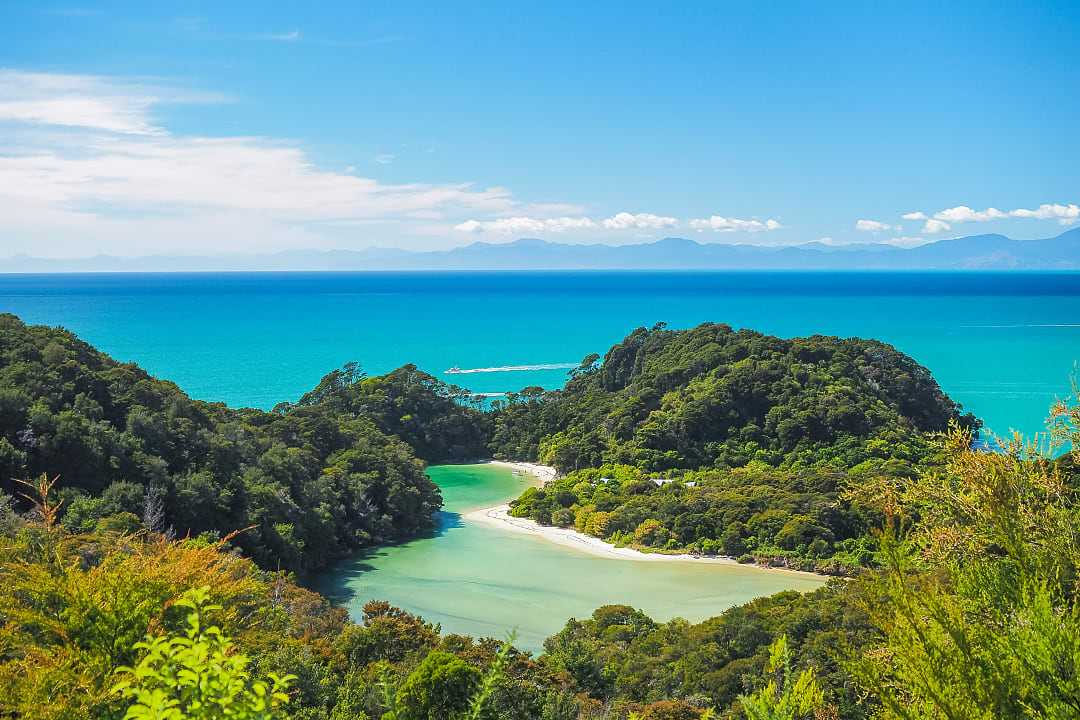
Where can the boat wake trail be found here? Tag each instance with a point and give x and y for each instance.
(510, 368)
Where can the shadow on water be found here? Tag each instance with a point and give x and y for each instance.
(334, 583)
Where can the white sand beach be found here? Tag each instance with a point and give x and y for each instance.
(540, 473)
(500, 516)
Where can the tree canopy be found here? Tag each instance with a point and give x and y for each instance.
(311, 483)
(715, 397)
(440, 422)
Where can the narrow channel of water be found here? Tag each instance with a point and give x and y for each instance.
(481, 580)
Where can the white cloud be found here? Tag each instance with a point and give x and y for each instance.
(85, 169)
(872, 226)
(935, 226)
(246, 174)
(385, 158)
(638, 221)
(906, 241)
(718, 223)
(83, 101)
(1064, 214)
(529, 224)
(525, 225)
(962, 214)
(917, 215)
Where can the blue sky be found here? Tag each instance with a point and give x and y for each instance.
(139, 128)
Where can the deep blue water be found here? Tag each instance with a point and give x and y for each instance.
(1003, 344)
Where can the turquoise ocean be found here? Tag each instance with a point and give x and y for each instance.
(1003, 344)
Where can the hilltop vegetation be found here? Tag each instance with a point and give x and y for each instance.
(764, 437)
(312, 483)
(734, 443)
(440, 422)
(715, 397)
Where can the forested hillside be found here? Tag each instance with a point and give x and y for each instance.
(803, 519)
(311, 483)
(76, 604)
(715, 397)
(972, 615)
(620, 653)
(717, 441)
(440, 422)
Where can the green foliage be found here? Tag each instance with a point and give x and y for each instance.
(312, 483)
(797, 518)
(197, 675)
(619, 654)
(713, 441)
(387, 634)
(977, 601)
(786, 696)
(444, 687)
(442, 423)
(75, 607)
(439, 688)
(714, 397)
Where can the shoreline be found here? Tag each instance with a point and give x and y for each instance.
(499, 516)
(542, 474)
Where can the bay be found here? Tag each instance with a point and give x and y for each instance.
(480, 580)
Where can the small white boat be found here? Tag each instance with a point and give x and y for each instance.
(452, 371)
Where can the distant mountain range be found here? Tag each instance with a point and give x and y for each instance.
(975, 252)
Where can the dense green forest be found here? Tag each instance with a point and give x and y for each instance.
(714, 441)
(311, 482)
(441, 423)
(973, 614)
(621, 654)
(147, 539)
(715, 397)
(803, 519)
(777, 430)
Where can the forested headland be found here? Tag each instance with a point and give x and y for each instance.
(308, 483)
(717, 441)
(150, 544)
(711, 396)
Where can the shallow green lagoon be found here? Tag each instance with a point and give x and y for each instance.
(482, 580)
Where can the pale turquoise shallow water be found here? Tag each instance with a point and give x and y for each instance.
(481, 580)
